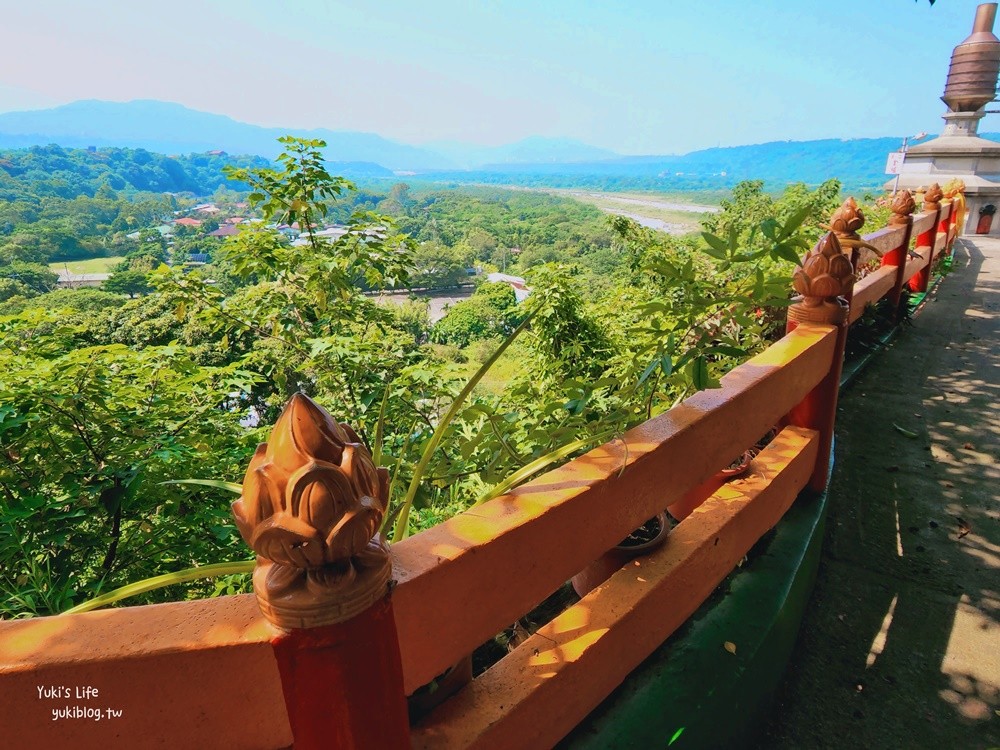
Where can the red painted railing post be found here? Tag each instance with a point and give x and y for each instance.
(903, 207)
(311, 507)
(932, 200)
(824, 281)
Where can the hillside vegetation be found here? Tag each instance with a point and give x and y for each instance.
(59, 204)
(54, 171)
(103, 398)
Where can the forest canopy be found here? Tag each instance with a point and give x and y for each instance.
(103, 399)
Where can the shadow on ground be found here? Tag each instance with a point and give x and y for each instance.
(900, 646)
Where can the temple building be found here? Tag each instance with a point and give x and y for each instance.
(959, 153)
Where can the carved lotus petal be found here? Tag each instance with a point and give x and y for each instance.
(841, 268)
(828, 246)
(288, 540)
(254, 505)
(263, 493)
(306, 431)
(355, 529)
(825, 286)
(358, 465)
(802, 282)
(317, 493)
(322, 580)
(816, 265)
(282, 579)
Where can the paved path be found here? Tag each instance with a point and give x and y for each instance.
(900, 647)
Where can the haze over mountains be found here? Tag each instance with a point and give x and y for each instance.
(173, 129)
(170, 128)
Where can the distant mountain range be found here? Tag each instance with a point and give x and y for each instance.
(174, 129)
(859, 164)
(170, 128)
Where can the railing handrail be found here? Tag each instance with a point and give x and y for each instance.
(500, 547)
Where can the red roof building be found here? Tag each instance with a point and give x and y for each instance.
(186, 222)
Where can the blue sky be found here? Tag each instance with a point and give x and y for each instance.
(634, 76)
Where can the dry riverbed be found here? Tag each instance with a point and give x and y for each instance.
(671, 216)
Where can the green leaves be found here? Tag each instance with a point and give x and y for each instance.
(402, 524)
(88, 435)
(216, 483)
(713, 302)
(787, 252)
(299, 191)
(215, 570)
(717, 247)
(698, 372)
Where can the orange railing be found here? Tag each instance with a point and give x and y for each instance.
(216, 673)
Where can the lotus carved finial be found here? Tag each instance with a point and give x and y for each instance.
(825, 276)
(847, 220)
(311, 507)
(932, 198)
(902, 206)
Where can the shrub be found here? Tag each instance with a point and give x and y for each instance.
(489, 313)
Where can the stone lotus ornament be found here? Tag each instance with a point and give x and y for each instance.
(826, 275)
(932, 198)
(902, 206)
(847, 220)
(845, 223)
(311, 507)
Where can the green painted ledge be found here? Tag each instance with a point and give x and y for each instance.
(693, 690)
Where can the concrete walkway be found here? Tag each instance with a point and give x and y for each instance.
(900, 647)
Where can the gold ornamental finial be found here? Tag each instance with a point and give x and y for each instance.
(954, 187)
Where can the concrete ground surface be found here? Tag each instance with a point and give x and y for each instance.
(900, 647)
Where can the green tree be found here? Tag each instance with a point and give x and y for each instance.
(12, 288)
(23, 248)
(132, 283)
(436, 266)
(34, 276)
(487, 314)
(87, 435)
(316, 329)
